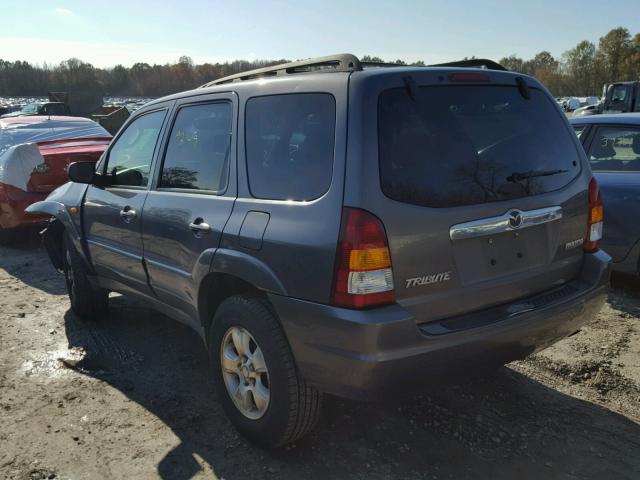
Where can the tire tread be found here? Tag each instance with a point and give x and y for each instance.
(305, 402)
(87, 302)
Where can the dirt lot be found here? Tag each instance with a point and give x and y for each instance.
(130, 397)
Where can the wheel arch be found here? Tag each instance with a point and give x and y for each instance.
(56, 210)
(215, 288)
(233, 273)
(61, 221)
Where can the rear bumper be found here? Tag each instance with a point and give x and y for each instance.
(357, 354)
(13, 202)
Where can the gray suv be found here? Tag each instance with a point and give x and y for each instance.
(333, 226)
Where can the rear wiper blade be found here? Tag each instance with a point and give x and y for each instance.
(518, 176)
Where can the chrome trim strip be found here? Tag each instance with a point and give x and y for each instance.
(501, 224)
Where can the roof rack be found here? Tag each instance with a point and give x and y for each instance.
(473, 63)
(344, 62)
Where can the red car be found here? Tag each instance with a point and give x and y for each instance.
(34, 155)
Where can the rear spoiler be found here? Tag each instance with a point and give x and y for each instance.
(473, 63)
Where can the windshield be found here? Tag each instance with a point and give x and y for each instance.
(31, 108)
(463, 145)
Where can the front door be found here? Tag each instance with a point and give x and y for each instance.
(191, 201)
(112, 214)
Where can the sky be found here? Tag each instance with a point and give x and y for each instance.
(110, 32)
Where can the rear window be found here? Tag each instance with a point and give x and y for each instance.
(54, 109)
(289, 141)
(464, 145)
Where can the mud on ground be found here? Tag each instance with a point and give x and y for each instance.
(130, 397)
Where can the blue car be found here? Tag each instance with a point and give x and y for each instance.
(612, 143)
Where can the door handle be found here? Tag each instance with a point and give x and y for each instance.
(127, 213)
(199, 225)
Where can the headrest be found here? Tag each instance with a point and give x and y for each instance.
(635, 145)
(603, 148)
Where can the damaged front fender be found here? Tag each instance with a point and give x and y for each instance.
(64, 206)
(52, 241)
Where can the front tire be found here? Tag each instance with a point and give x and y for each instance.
(86, 301)
(258, 383)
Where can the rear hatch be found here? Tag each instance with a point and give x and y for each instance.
(480, 185)
(57, 156)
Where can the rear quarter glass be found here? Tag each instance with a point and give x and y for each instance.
(461, 145)
(289, 141)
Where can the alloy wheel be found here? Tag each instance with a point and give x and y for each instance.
(245, 373)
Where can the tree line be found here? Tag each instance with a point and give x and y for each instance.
(583, 70)
(580, 71)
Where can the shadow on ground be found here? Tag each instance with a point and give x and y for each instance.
(27, 260)
(625, 293)
(501, 426)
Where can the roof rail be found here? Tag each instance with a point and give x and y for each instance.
(473, 63)
(344, 62)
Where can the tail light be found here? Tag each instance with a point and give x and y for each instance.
(595, 218)
(363, 275)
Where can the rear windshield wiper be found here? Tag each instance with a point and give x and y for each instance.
(519, 176)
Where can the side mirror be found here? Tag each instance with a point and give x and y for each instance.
(82, 172)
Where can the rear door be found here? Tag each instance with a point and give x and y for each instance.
(614, 153)
(479, 187)
(186, 211)
(112, 215)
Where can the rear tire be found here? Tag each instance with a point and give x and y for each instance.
(292, 407)
(86, 301)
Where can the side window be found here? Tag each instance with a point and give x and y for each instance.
(130, 156)
(616, 149)
(579, 129)
(619, 93)
(289, 145)
(197, 156)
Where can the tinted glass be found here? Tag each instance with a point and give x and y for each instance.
(31, 108)
(131, 155)
(289, 142)
(197, 156)
(616, 149)
(463, 145)
(619, 93)
(54, 109)
(579, 129)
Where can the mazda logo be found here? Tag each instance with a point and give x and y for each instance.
(515, 219)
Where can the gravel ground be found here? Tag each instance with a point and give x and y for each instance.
(129, 397)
